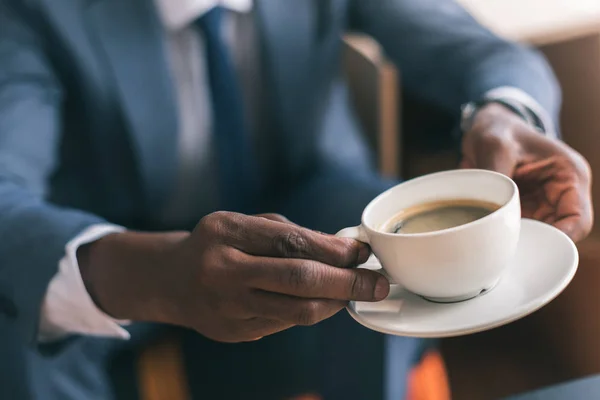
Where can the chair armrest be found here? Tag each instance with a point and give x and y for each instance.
(374, 85)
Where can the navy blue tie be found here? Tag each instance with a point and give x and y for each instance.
(237, 166)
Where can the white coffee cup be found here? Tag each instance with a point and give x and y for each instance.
(453, 264)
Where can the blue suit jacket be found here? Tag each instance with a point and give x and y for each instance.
(88, 118)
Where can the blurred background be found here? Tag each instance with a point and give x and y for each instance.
(562, 341)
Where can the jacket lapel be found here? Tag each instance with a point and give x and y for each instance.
(130, 34)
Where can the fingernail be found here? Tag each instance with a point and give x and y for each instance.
(382, 289)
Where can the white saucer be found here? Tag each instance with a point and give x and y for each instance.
(545, 263)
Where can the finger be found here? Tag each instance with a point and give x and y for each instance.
(293, 310)
(284, 219)
(276, 218)
(539, 170)
(569, 226)
(570, 199)
(264, 237)
(587, 215)
(311, 279)
(465, 164)
(578, 224)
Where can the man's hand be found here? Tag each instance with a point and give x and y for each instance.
(234, 278)
(554, 180)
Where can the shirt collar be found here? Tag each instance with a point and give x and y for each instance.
(176, 14)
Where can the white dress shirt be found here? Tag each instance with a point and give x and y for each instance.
(67, 307)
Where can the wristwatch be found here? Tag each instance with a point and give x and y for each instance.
(469, 112)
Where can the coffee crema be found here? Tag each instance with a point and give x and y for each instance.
(438, 215)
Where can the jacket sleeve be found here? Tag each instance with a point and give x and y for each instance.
(33, 232)
(448, 58)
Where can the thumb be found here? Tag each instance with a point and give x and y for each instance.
(496, 157)
(496, 162)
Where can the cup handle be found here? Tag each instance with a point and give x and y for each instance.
(359, 233)
(355, 232)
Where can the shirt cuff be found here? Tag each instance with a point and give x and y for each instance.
(67, 307)
(519, 96)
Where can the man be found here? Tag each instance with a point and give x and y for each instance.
(125, 126)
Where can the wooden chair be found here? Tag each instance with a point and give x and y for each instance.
(374, 90)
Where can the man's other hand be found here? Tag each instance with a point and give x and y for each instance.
(554, 180)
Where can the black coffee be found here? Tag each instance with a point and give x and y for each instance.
(439, 215)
